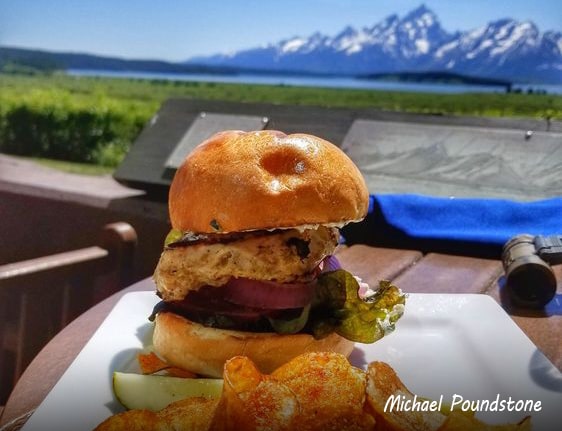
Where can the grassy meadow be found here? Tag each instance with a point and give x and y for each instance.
(94, 120)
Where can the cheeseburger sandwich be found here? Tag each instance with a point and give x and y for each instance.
(248, 268)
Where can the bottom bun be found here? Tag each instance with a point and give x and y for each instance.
(204, 350)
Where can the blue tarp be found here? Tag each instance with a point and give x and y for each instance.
(453, 225)
(487, 221)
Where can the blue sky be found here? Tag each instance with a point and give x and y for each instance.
(176, 30)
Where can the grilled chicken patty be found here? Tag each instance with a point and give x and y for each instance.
(284, 256)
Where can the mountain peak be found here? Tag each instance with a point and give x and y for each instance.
(421, 9)
(504, 48)
(419, 12)
(347, 31)
(502, 22)
(391, 19)
(423, 20)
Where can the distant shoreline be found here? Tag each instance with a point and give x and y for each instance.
(331, 81)
(439, 77)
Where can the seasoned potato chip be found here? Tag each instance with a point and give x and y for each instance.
(241, 374)
(150, 363)
(192, 414)
(252, 401)
(458, 421)
(327, 388)
(382, 383)
(316, 391)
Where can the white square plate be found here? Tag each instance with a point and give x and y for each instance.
(444, 345)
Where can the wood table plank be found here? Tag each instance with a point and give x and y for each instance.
(440, 273)
(544, 326)
(372, 264)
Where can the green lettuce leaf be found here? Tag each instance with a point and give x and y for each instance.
(338, 307)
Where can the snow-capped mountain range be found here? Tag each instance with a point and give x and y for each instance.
(504, 49)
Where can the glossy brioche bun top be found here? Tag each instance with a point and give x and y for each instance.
(237, 181)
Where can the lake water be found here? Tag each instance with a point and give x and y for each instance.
(314, 81)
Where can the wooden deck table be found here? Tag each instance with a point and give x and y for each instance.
(409, 269)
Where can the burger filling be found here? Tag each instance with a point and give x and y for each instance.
(282, 256)
(283, 281)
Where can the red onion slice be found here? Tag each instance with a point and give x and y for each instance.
(330, 263)
(209, 301)
(268, 294)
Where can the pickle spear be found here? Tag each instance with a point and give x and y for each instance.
(153, 392)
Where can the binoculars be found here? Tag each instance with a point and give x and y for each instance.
(526, 260)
